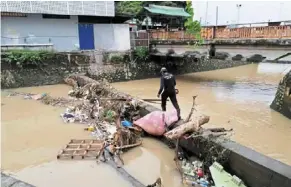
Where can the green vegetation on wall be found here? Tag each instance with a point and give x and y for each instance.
(22, 58)
(141, 53)
(117, 59)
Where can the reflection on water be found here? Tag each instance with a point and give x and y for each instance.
(271, 68)
(242, 91)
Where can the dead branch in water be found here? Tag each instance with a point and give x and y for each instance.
(191, 126)
(192, 109)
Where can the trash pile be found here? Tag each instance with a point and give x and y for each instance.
(193, 175)
(108, 113)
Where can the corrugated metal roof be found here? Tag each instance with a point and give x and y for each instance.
(166, 10)
(89, 8)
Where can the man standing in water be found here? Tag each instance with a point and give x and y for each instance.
(167, 89)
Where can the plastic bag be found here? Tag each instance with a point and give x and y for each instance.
(155, 123)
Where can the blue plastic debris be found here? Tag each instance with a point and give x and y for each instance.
(126, 123)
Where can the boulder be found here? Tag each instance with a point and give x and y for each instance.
(256, 58)
(282, 100)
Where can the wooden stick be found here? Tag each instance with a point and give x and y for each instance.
(130, 146)
(192, 110)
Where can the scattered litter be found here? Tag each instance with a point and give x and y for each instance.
(126, 123)
(74, 117)
(193, 173)
(90, 128)
(28, 95)
(38, 96)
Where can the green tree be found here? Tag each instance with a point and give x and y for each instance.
(128, 7)
(134, 7)
(192, 27)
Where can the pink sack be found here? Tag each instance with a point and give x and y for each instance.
(154, 122)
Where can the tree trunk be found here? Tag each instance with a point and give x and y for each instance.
(193, 125)
(81, 80)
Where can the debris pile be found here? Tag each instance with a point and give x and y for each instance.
(108, 113)
(112, 118)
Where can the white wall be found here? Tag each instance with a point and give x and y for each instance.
(113, 37)
(63, 33)
(249, 12)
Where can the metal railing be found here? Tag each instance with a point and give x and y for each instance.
(175, 35)
(139, 39)
(227, 33)
(247, 32)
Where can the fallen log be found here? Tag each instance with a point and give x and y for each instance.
(197, 121)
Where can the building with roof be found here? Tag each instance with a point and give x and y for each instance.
(170, 17)
(63, 25)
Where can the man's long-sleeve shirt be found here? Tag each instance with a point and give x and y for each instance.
(168, 83)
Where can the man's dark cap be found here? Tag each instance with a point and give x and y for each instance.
(163, 69)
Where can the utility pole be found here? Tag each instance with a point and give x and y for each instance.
(238, 6)
(216, 23)
(206, 12)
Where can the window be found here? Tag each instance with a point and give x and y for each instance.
(12, 14)
(52, 16)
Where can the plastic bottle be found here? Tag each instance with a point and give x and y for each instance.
(91, 129)
(183, 163)
(203, 182)
(189, 182)
(200, 172)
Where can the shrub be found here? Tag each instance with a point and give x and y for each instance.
(116, 59)
(141, 53)
(22, 58)
(105, 58)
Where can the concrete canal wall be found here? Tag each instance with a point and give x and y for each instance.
(53, 69)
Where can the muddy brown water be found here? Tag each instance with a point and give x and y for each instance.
(238, 98)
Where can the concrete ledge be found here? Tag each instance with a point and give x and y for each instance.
(283, 42)
(8, 181)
